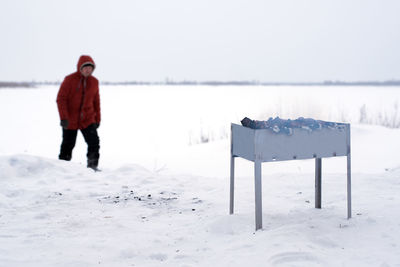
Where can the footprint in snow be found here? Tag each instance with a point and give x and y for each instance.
(159, 257)
(295, 259)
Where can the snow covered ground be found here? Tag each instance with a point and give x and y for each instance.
(162, 197)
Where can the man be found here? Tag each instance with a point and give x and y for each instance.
(78, 102)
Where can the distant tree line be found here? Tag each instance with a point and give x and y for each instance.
(213, 83)
(257, 83)
(16, 84)
(364, 83)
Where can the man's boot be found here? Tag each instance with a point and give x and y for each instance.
(93, 163)
(64, 156)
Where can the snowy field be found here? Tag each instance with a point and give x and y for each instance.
(162, 196)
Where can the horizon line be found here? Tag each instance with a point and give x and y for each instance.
(167, 82)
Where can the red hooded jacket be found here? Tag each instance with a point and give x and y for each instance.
(78, 99)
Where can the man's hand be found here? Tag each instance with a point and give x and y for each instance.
(64, 124)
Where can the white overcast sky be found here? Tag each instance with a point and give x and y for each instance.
(150, 40)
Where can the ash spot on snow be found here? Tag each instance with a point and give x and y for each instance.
(162, 198)
(165, 201)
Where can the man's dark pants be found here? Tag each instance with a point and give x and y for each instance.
(91, 138)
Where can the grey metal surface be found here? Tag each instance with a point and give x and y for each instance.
(318, 174)
(258, 193)
(232, 186)
(262, 145)
(243, 142)
(348, 174)
(269, 146)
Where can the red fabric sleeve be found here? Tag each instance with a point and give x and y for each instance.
(97, 106)
(62, 100)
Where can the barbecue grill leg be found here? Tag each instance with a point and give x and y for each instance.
(348, 186)
(232, 185)
(258, 197)
(318, 171)
(348, 174)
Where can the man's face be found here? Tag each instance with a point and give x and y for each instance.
(87, 71)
